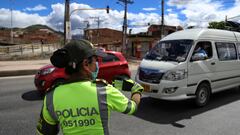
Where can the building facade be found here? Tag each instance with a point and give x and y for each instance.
(109, 39)
(139, 44)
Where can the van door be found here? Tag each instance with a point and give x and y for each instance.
(204, 68)
(227, 67)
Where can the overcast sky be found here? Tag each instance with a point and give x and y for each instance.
(141, 12)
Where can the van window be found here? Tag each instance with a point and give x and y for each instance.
(171, 50)
(203, 48)
(226, 51)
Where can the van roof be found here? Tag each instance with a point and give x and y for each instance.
(204, 33)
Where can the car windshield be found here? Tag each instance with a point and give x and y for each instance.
(172, 50)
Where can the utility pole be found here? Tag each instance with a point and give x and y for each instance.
(67, 23)
(124, 28)
(162, 28)
(85, 29)
(11, 33)
(67, 27)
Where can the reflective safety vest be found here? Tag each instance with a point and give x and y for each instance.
(83, 108)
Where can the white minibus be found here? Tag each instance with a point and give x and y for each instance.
(191, 63)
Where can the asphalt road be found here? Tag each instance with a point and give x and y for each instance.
(20, 106)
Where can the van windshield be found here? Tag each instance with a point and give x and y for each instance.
(172, 50)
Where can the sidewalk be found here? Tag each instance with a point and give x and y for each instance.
(16, 68)
(30, 67)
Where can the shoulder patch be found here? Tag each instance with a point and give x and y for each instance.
(101, 82)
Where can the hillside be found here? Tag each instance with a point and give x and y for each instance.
(30, 34)
(32, 28)
(37, 27)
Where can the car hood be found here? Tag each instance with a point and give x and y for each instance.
(46, 67)
(158, 65)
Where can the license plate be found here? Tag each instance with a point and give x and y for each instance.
(146, 87)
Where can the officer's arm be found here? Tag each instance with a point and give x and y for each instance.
(129, 85)
(46, 125)
(118, 102)
(136, 98)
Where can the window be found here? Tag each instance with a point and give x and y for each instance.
(226, 51)
(238, 46)
(170, 50)
(202, 51)
(110, 58)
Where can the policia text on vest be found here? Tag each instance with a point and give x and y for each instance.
(78, 112)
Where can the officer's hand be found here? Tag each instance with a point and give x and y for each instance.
(127, 85)
(118, 83)
(137, 88)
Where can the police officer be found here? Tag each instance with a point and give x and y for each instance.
(82, 105)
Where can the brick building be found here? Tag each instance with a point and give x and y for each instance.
(155, 30)
(109, 39)
(139, 44)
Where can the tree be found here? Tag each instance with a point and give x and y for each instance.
(217, 25)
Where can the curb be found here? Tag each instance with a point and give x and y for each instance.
(18, 72)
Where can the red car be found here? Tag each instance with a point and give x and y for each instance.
(111, 66)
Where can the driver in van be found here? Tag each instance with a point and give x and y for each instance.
(200, 51)
(177, 52)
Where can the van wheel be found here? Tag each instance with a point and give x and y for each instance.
(202, 94)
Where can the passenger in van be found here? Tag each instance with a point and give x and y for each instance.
(181, 51)
(199, 51)
(176, 52)
(207, 48)
(171, 51)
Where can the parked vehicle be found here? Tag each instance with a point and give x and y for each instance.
(173, 69)
(111, 66)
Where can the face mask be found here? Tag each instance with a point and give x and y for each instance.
(95, 73)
